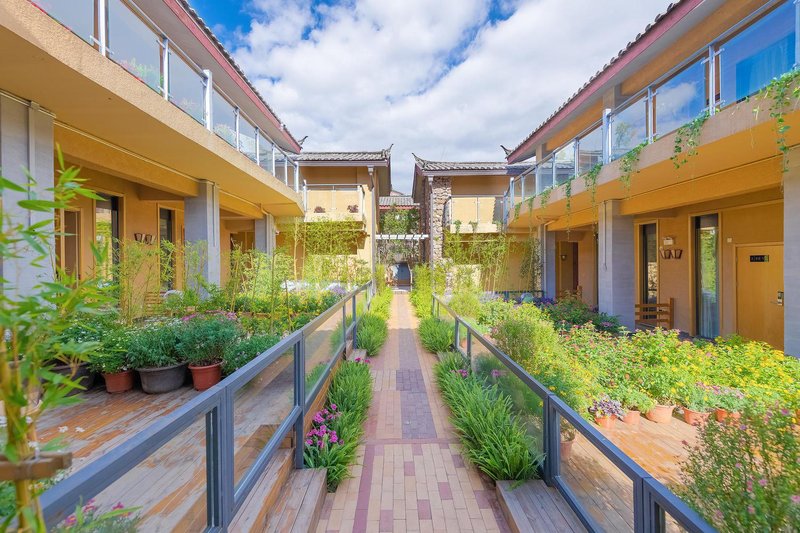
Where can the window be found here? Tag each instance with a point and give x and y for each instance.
(649, 264)
(166, 240)
(107, 234)
(68, 242)
(706, 230)
(133, 45)
(759, 53)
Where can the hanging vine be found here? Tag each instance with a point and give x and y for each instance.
(782, 91)
(687, 139)
(590, 182)
(629, 164)
(544, 197)
(568, 194)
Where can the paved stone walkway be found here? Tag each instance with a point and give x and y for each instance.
(410, 474)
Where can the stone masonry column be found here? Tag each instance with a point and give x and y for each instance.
(26, 143)
(616, 263)
(265, 234)
(202, 228)
(440, 188)
(791, 255)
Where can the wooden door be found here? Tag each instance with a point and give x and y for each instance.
(759, 293)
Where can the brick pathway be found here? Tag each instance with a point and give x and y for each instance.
(410, 474)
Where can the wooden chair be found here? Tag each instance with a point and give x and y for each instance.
(657, 315)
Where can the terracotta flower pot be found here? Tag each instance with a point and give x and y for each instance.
(722, 414)
(695, 418)
(565, 448)
(606, 422)
(162, 379)
(82, 375)
(632, 417)
(660, 414)
(205, 377)
(119, 381)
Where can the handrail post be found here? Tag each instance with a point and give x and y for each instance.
(551, 440)
(214, 498)
(299, 399)
(355, 323)
(642, 519)
(226, 453)
(456, 335)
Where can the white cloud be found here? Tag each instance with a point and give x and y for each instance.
(438, 78)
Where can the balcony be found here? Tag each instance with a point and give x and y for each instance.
(340, 203)
(723, 74)
(474, 214)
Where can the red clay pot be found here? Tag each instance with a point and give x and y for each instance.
(565, 448)
(205, 377)
(695, 418)
(606, 422)
(721, 415)
(660, 414)
(632, 417)
(119, 381)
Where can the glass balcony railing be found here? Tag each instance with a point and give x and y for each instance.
(485, 213)
(121, 31)
(738, 64)
(345, 201)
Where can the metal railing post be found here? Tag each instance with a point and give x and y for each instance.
(344, 325)
(551, 440)
(642, 521)
(226, 463)
(355, 321)
(712, 81)
(102, 27)
(299, 399)
(606, 130)
(214, 499)
(456, 335)
(207, 100)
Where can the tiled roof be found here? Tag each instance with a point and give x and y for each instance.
(203, 26)
(466, 166)
(402, 201)
(608, 65)
(381, 155)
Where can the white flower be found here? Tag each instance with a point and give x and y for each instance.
(3, 422)
(29, 420)
(63, 429)
(33, 444)
(79, 429)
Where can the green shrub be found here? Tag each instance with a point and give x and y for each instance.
(203, 339)
(371, 333)
(492, 437)
(527, 333)
(381, 303)
(427, 282)
(494, 312)
(154, 346)
(436, 335)
(245, 350)
(338, 429)
(466, 303)
(744, 475)
(572, 311)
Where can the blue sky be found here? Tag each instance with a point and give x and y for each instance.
(445, 79)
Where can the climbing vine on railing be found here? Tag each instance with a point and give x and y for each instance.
(544, 197)
(782, 91)
(686, 139)
(568, 195)
(629, 164)
(590, 181)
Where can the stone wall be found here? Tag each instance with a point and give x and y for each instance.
(439, 194)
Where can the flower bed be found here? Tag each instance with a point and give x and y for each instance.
(338, 429)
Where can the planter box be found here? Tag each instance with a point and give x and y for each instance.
(162, 379)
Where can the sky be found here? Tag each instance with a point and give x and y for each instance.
(448, 80)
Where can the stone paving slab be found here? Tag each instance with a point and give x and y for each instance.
(410, 474)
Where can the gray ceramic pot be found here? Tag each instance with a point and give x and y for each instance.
(162, 379)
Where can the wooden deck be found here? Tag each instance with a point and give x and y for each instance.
(604, 489)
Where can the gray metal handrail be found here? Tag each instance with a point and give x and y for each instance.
(651, 499)
(224, 497)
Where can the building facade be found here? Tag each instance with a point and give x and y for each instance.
(684, 210)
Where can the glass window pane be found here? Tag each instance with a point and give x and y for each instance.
(590, 150)
(264, 153)
(565, 164)
(133, 45)
(680, 99)
(186, 87)
(280, 170)
(290, 175)
(628, 128)
(76, 15)
(224, 118)
(106, 234)
(761, 52)
(247, 138)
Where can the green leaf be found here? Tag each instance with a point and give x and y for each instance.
(7, 184)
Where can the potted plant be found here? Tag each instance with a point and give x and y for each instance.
(202, 340)
(112, 361)
(606, 411)
(567, 440)
(153, 354)
(635, 402)
(660, 382)
(697, 404)
(319, 209)
(729, 402)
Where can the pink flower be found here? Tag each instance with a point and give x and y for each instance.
(117, 506)
(718, 515)
(785, 412)
(333, 406)
(749, 486)
(751, 509)
(71, 520)
(309, 442)
(738, 465)
(763, 482)
(796, 499)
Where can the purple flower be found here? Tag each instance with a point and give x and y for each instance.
(796, 499)
(333, 407)
(495, 373)
(763, 482)
(309, 442)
